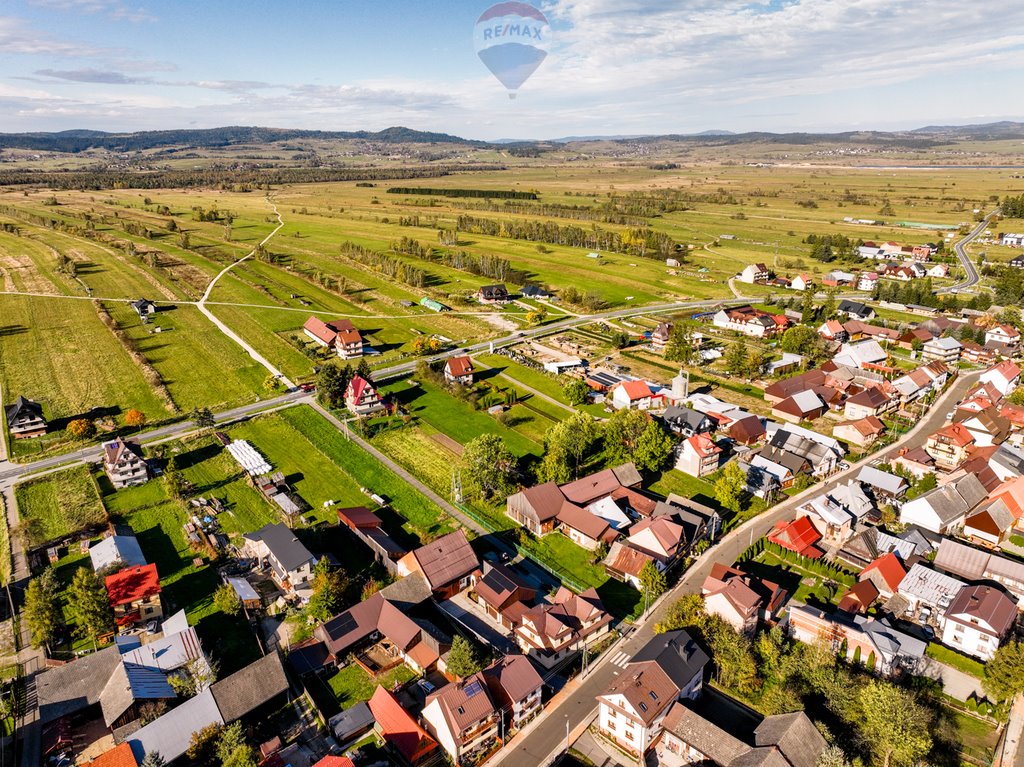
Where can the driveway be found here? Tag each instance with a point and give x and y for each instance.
(465, 612)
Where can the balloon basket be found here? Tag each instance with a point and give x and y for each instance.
(511, 97)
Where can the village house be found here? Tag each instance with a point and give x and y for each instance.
(276, 547)
(867, 281)
(950, 446)
(753, 273)
(750, 321)
(915, 337)
(798, 535)
(863, 432)
(116, 551)
(946, 507)
(1004, 377)
(515, 687)
(863, 355)
(741, 600)
(463, 718)
(833, 330)
(869, 402)
(926, 593)
(973, 564)
(686, 422)
(134, 595)
(448, 563)
(459, 370)
(635, 395)
(986, 426)
(940, 271)
(977, 621)
(780, 740)
(698, 456)
(340, 335)
(660, 336)
(493, 294)
(883, 486)
(748, 430)
(503, 595)
(361, 397)
(669, 668)
(409, 742)
(124, 464)
(25, 419)
(1005, 338)
(144, 308)
(367, 527)
(944, 349)
(802, 282)
(802, 406)
(838, 513)
(855, 310)
(551, 632)
(885, 573)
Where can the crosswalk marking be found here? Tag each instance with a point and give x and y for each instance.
(620, 659)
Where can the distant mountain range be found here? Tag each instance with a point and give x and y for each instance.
(81, 140)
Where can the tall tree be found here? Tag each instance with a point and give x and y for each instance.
(331, 383)
(87, 598)
(805, 341)
(652, 582)
(894, 725)
(329, 586)
(1004, 674)
(225, 599)
(622, 431)
(203, 418)
(576, 391)
(680, 346)
(653, 447)
(567, 445)
(42, 609)
(462, 660)
(737, 360)
(730, 487)
(490, 467)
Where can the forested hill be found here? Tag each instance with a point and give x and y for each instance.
(80, 140)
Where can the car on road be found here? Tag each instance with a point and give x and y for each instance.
(307, 387)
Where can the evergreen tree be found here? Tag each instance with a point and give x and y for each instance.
(42, 608)
(87, 598)
(462, 660)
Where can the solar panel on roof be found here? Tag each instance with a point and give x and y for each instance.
(499, 581)
(473, 688)
(343, 624)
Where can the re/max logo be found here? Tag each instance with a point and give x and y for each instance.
(512, 30)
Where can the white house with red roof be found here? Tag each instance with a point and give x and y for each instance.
(459, 370)
(1003, 336)
(635, 395)
(833, 330)
(341, 335)
(698, 456)
(802, 282)
(1005, 377)
(799, 536)
(361, 397)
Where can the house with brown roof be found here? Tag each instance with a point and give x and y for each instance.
(740, 599)
(624, 563)
(802, 406)
(950, 446)
(549, 633)
(124, 464)
(747, 431)
(660, 537)
(503, 595)
(25, 419)
(660, 336)
(448, 564)
(463, 718)
(1003, 337)
(750, 321)
(858, 598)
(399, 730)
(669, 668)
(978, 619)
(340, 335)
(862, 432)
(361, 397)
(869, 402)
(753, 273)
(459, 370)
(366, 526)
(515, 687)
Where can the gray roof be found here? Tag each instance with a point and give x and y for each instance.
(351, 722)
(68, 689)
(930, 586)
(676, 654)
(627, 474)
(22, 405)
(282, 543)
(853, 307)
(890, 642)
(1010, 458)
(794, 735)
(131, 682)
(952, 500)
(711, 740)
(883, 480)
(678, 414)
(171, 734)
(407, 592)
(250, 688)
(117, 548)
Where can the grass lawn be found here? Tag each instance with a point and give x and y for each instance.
(352, 684)
(421, 517)
(536, 379)
(955, 659)
(702, 490)
(978, 738)
(58, 504)
(802, 585)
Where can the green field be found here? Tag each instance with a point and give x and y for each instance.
(58, 505)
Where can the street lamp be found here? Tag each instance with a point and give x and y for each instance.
(567, 733)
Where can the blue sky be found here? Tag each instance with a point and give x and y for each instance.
(632, 66)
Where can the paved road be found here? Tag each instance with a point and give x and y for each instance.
(540, 744)
(972, 277)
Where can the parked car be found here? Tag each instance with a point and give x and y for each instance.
(426, 686)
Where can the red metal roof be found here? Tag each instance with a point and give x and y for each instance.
(118, 756)
(798, 535)
(132, 585)
(636, 390)
(459, 366)
(398, 728)
(335, 761)
(889, 567)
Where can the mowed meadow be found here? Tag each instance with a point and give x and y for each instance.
(68, 258)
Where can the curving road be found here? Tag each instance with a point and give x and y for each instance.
(972, 278)
(542, 742)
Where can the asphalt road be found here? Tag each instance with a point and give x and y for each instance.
(972, 277)
(537, 746)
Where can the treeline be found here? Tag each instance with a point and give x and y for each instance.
(606, 214)
(393, 267)
(642, 242)
(829, 247)
(1013, 207)
(497, 194)
(492, 267)
(221, 178)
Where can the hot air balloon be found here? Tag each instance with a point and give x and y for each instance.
(511, 40)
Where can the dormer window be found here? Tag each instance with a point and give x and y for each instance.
(643, 706)
(654, 695)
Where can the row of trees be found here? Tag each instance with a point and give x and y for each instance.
(390, 266)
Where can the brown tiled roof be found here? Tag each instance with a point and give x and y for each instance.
(446, 559)
(115, 449)
(627, 560)
(459, 366)
(499, 584)
(859, 597)
(513, 677)
(359, 517)
(647, 689)
(464, 703)
(584, 522)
